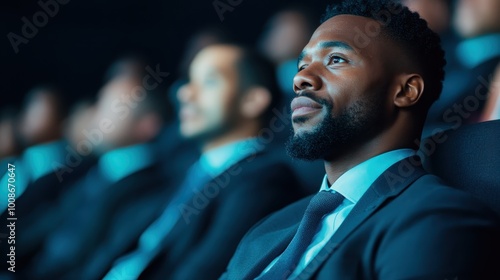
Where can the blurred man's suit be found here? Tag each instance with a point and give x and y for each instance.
(215, 218)
(378, 241)
(95, 202)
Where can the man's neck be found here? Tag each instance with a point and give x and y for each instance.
(228, 137)
(339, 164)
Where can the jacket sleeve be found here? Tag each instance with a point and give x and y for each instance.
(457, 238)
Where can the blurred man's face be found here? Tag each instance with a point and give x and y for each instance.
(80, 120)
(115, 108)
(209, 102)
(342, 90)
(40, 121)
(477, 17)
(7, 141)
(286, 35)
(435, 12)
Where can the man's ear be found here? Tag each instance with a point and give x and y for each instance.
(410, 89)
(255, 102)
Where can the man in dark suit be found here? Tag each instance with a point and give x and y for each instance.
(127, 178)
(226, 107)
(39, 132)
(366, 79)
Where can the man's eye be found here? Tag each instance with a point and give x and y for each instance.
(210, 82)
(337, 59)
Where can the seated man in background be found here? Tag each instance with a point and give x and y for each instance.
(360, 106)
(225, 107)
(9, 146)
(282, 39)
(126, 179)
(36, 209)
(465, 93)
(40, 133)
(492, 107)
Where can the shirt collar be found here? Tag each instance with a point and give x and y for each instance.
(473, 52)
(217, 160)
(120, 163)
(39, 158)
(354, 182)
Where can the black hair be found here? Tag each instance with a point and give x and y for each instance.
(254, 69)
(419, 42)
(216, 34)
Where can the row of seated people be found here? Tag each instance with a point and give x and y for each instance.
(129, 181)
(129, 197)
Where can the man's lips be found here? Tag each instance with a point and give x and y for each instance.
(303, 105)
(187, 112)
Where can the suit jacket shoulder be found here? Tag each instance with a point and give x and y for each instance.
(404, 227)
(200, 246)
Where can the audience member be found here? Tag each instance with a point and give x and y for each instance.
(9, 146)
(40, 132)
(378, 215)
(119, 188)
(466, 91)
(127, 179)
(37, 210)
(438, 13)
(492, 107)
(224, 107)
(282, 40)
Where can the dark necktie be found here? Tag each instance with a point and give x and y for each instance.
(321, 204)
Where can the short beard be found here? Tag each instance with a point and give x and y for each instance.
(337, 135)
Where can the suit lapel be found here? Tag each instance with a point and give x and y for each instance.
(277, 242)
(392, 182)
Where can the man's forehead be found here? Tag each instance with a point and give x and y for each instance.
(216, 58)
(347, 26)
(346, 31)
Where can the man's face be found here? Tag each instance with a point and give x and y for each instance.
(342, 98)
(209, 101)
(40, 121)
(286, 36)
(477, 17)
(116, 107)
(435, 12)
(7, 141)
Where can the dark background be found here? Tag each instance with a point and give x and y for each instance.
(76, 46)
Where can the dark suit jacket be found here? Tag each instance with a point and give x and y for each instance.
(408, 225)
(125, 225)
(35, 205)
(132, 193)
(200, 246)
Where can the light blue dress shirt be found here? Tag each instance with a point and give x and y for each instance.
(113, 166)
(352, 185)
(119, 163)
(473, 52)
(220, 159)
(36, 162)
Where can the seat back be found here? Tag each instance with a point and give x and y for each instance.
(469, 158)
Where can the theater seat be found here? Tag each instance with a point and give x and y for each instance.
(469, 159)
